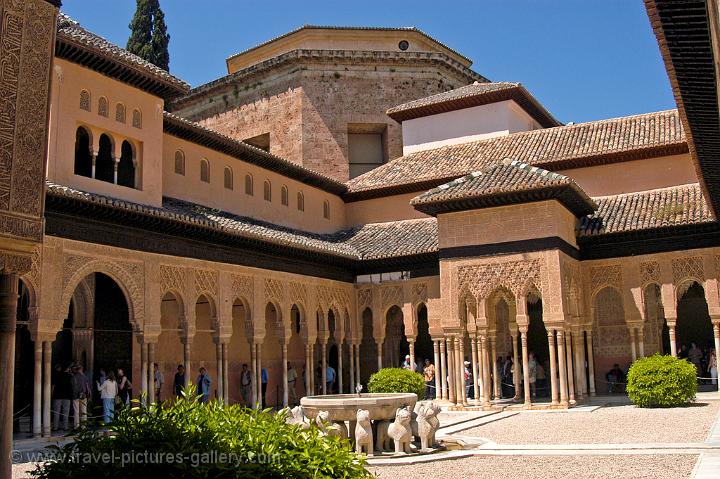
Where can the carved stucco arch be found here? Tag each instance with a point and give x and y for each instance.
(134, 293)
(247, 321)
(682, 286)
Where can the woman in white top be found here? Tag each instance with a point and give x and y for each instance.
(712, 367)
(108, 391)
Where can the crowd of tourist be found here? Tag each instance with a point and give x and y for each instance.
(704, 360)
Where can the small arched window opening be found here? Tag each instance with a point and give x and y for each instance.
(126, 166)
(300, 201)
(228, 179)
(326, 209)
(120, 113)
(205, 170)
(180, 162)
(105, 163)
(137, 118)
(267, 190)
(102, 106)
(284, 195)
(85, 100)
(83, 156)
(248, 184)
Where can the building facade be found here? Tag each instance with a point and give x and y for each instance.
(494, 232)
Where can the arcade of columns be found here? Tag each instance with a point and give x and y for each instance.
(489, 315)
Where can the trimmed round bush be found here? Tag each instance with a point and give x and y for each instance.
(193, 440)
(661, 381)
(397, 380)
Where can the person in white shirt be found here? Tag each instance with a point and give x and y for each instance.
(291, 378)
(108, 391)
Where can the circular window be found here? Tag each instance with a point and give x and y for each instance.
(403, 45)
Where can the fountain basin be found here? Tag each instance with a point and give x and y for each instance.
(344, 407)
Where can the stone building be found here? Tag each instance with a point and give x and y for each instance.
(495, 232)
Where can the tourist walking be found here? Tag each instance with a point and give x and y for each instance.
(330, 379)
(81, 393)
(124, 387)
(159, 381)
(291, 379)
(246, 386)
(203, 386)
(61, 397)
(179, 381)
(468, 379)
(263, 385)
(694, 355)
(712, 367)
(429, 376)
(532, 370)
(108, 392)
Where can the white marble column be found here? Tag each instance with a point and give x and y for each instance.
(285, 374)
(226, 373)
(47, 372)
(526, 368)
(487, 389)
(452, 388)
(259, 375)
(380, 353)
(254, 386)
(579, 364)
(553, 367)
(308, 371)
(151, 373)
(591, 361)
(516, 367)
(357, 364)
(37, 390)
(673, 343)
(716, 336)
(633, 341)
(569, 366)
(340, 367)
(475, 369)
(143, 370)
(411, 347)
(443, 393)
(641, 342)
(323, 351)
(563, 369)
(496, 376)
(436, 365)
(461, 368)
(352, 368)
(186, 361)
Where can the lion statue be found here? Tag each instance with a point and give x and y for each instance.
(329, 428)
(399, 431)
(297, 417)
(426, 423)
(363, 433)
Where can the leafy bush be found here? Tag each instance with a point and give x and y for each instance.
(189, 439)
(661, 381)
(397, 380)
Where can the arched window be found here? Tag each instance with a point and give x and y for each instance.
(228, 178)
(120, 113)
(326, 209)
(248, 184)
(267, 190)
(204, 170)
(301, 201)
(83, 157)
(180, 162)
(105, 163)
(126, 166)
(102, 106)
(85, 100)
(284, 195)
(137, 118)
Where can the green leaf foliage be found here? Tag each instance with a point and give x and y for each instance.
(149, 38)
(397, 380)
(187, 439)
(661, 381)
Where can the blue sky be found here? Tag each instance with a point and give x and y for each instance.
(583, 59)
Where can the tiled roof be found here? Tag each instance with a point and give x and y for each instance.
(191, 131)
(329, 27)
(472, 95)
(582, 144)
(371, 241)
(674, 206)
(79, 45)
(507, 182)
(684, 32)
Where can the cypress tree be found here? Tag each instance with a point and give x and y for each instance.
(149, 38)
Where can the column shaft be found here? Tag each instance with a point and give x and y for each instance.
(673, 344)
(436, 365)
(553, 367)
(475, 369)
(578, 364)
(411, 347)
(526, 368)
(461, 368)
(219, 367)
(486, 389)
(569, 366)
(496, 376)
(186, 361)
(286, 391)
(452, 389)
(37, 390)
(357, 364)
(151, 373)
(8, 320)
(443, 371)
(716, 336)
(259, 376)
(340, 367)
(226, 373)
(143, 371)
(591, 362)
(516, 367)
(47, 371)
(641, 342)
(633, 340)
(562, 367)
(352, 368)
(254, 384)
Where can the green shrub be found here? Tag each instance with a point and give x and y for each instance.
(188, 439)
(661, 381)
(397, 380)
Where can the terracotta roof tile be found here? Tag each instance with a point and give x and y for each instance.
(506, 182)
(674, 206)
(72, 37)
(472, 95)
(583, 144)
(371, 241)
